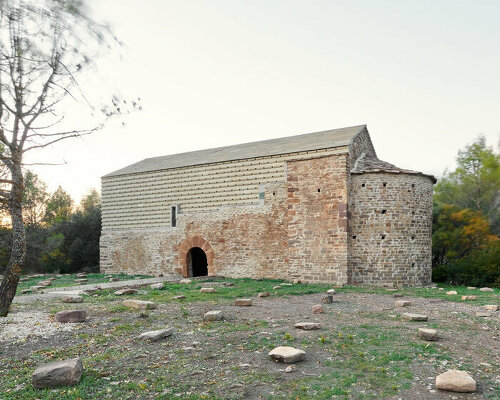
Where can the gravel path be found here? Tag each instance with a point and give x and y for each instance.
(61, 291)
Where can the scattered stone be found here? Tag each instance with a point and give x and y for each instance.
(308, 326)
(72, 299)
(297, 281)
(25, 291)
(81, 275)
(471, 287)
(402, 303)
(441, 289)
(60, 373)
(415, 317)
(264, 294)
(215, 315)
(36, 287)
(469, 297)
(179, 297)
(70, 316)
(427, 334)
(121, 292)
(392, 290)
(397, 295)
(139, 304)
(287, 355)
(491, 307)
(45, 283)
(277, 287)
(227, 284)
(451, 292)
(207, 290)
(153, 336)
(456, 381)
(114, 279)
(185, 281)
(243, 302)
(157, 286)
(82, 280)
(484, 314)
(317, 309)
(290, 368)
(286, 284)
(328, 299)
(331, 291)
(486, 289)
(188, 348)
(24, 279)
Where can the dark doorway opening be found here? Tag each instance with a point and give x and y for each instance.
(197, 262)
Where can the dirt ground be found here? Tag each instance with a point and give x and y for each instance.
(364, 350)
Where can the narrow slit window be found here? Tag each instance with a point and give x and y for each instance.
(173, 216)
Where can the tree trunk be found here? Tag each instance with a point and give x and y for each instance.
(18, 252)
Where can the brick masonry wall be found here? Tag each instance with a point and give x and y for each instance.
(317, 219)
(391, 247)
(244, 241)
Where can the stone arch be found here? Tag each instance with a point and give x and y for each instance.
(186, 245)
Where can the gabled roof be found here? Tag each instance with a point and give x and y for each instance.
(285, 145)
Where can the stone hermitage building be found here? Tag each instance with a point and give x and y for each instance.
(319, 207)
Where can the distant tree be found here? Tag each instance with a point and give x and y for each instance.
(34, 199)
(58, 207)
(475, 184)
(44, 47)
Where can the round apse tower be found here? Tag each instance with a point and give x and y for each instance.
(391, 225)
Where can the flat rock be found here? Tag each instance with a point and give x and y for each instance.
(60, 373)
(207, 290)
(153, 336)
(243, 302)
(317, 309)
(36, 287)
(185, 281)
(72, 299)
(277, 287)
(484, 314)
(427, 334)
(71, 316)
(456, 381)
(392, 290)
(397, 295)
(308, 326)
(287, 355)
(179, 297)
(451, 292)
(402, 303)
(471, 287)
(114, 279)
(82, 280)
(486, 289)
(328, 299)
(215, 315)
(491, 307)
(64, 293)
(139, 304)
(264, 294)
(157, 286)
(286, 284)
(45, 283)
(121, 292)
(469, 297)
(415, 317)
(25, 291)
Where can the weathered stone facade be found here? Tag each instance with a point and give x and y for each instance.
(317, 215)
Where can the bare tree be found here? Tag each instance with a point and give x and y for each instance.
(45, 45)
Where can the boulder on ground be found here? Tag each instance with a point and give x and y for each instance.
(415, 317)
(72, 299)
(60, 373)
(157, 286)
(243, 302)
(215, 315)
(308, 326)
(451, 292)
(328, 299)
(491, 307)
(402, 303)
(70, 316)
(185, 281)
(486, 289)
(427, 334)
(456, 381)
(287, 355)
(121, 292)
(153, 336)
(139, 304)
(207, 290)
(469, 297)
(264, 294)
(317, 309)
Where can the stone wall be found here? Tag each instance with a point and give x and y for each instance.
(317, 219)
(391, 229)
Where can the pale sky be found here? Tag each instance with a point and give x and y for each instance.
(423, 75)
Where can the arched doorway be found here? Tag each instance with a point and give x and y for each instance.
(197, 262)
